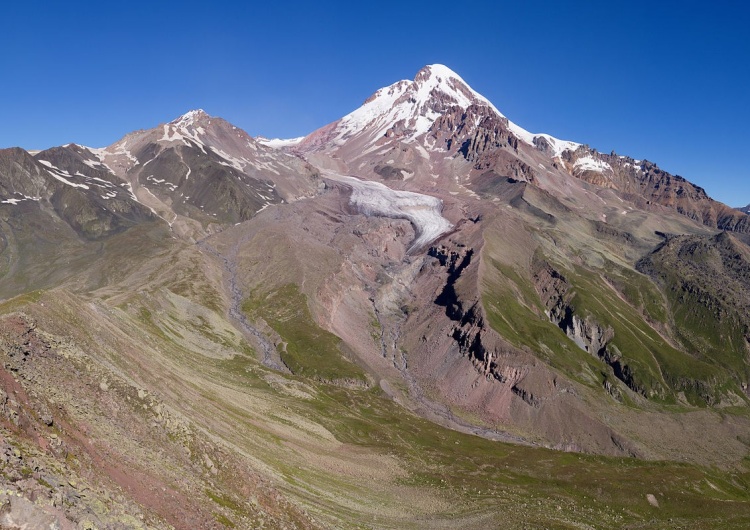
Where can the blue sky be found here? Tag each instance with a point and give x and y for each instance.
(646, 79)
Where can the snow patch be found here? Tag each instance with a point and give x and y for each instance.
(278, 143)
(93, 165)
(14, 201)
(589, 163)
(558, 146)
(100, 182)
(61, 175)
(129, 187)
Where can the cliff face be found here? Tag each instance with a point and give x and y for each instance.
(554, 291)
(467, 316)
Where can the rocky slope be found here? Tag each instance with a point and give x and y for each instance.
(53, 221)
(195, 171)
(641, 179)
(707, 281)
(91, 204)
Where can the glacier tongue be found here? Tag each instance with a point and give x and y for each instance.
(422, 211)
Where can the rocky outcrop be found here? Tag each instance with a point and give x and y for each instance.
(482, 138)
(454, 125)
(389, 172)
(469, 321)
(556, 293)
(475, 340)
(455, 262)
(470, 330)
(647, 184)
(491, 133)
(715, 270)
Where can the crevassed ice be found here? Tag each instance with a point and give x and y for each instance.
(422, 211)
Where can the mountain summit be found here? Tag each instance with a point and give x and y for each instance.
(410, 108)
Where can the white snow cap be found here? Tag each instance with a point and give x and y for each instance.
(410, 101)
(446, 80)
(189, 118)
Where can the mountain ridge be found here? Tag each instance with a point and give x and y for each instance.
(482, 132)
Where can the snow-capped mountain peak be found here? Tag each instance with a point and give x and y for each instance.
(408, 109)
(411, 106)
(439, 79)
(191, 126)
(190, 118)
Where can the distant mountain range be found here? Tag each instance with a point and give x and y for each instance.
(215, 330)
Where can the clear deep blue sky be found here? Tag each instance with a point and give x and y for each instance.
(666, 81)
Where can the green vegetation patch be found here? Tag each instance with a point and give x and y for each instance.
(705, 281)
(533, 485)
(631, 305)
(514, 310)
(21, 300)
(307, 349)
(657, 369)
(640, 292)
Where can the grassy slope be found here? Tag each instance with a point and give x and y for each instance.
(356, 458)
(634, 312)
(307, 350)
(349, 457)
(706, 287)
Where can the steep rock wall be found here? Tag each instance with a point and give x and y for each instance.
(460, 359)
